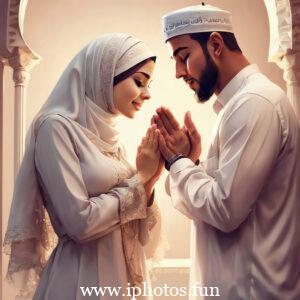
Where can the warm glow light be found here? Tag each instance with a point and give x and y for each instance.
(58, 29)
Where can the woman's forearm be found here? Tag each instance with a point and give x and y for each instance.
(149, 189)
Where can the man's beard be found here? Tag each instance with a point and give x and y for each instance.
(208, 81)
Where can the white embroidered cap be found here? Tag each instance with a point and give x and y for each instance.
(198, 18)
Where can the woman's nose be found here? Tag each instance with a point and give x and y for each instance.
(145, 95)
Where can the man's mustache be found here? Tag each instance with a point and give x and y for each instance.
(188, 79)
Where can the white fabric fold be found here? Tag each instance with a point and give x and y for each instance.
(83, 95)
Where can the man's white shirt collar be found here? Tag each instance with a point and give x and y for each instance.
(233, 86)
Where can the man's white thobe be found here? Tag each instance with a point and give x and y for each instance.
(244, 199)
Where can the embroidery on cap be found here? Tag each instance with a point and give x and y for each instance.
(196, 21)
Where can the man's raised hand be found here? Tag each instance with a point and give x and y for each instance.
(174, 139)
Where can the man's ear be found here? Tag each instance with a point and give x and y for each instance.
(215, 44)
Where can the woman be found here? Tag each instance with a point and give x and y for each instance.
(99, 207)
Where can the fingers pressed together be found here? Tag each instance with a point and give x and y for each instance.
(166, 135)
(151, 138)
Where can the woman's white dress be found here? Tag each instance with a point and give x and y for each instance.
(88, 196)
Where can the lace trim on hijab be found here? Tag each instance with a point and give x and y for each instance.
(24, 269)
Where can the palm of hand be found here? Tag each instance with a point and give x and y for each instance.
(148, 159)
(176, 137)
(178, 141)
(175, 140)
(160, 167)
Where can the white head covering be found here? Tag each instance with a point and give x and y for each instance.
(84, 95)
(84, 92)
(198, 18)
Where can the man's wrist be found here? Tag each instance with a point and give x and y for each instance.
(195, 160)
(172, 160)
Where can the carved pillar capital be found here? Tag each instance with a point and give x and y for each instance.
(291, 66)
(21, 77)
(13, 48)
(21, 62)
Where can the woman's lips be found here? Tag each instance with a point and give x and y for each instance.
(137, 105)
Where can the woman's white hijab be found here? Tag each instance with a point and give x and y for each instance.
(83, 94)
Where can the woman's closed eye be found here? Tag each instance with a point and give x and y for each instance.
(138, 83)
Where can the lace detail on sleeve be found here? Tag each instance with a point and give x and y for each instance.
(133, 205)
(146, 225)
(153, 216)
(153, 238)
(131, 244)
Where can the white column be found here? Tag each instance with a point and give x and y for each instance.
(18, 55)
(291, 74)
(284, 20)
(15, 53)
(21, 63)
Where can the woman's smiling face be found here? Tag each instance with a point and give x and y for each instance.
(130, 93)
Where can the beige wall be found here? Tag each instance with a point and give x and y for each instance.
(1, 160)
(7, 163)
(56, 30)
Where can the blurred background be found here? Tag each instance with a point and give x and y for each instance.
(58, 29)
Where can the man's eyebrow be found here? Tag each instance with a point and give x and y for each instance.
(145, 74)
(178, 50)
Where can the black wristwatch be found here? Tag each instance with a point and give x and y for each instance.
(170, 162)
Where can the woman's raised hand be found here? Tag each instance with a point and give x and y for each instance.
(149, 163)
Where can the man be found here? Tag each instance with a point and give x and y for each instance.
(243, 200)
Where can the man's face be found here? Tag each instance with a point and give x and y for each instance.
(194, 65)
